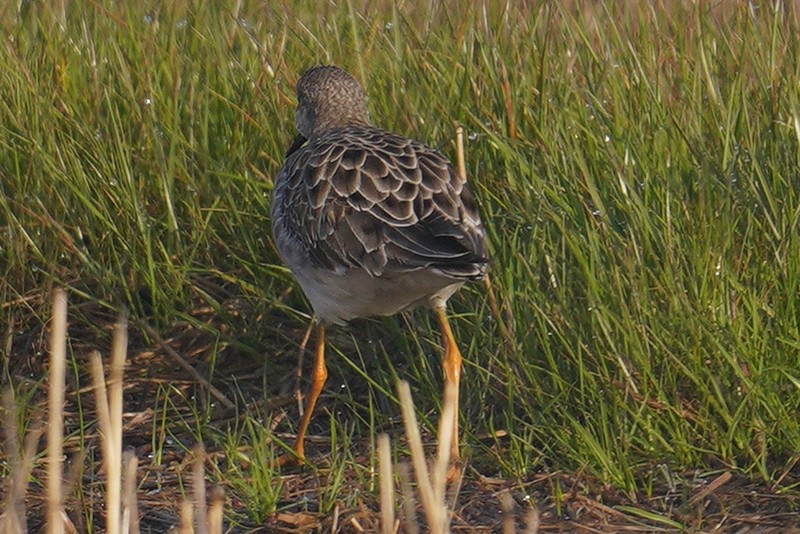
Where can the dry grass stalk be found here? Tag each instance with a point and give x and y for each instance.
(122, 514)
(187, 512)
(407, 497)
(199, 490)
(418, 455)
(335, 522)
(487, 282)
(432, 488)
(507, 505)
(23, 471)
(109, 414)
(106, 442)
(461, 161)
(215, 511)
(533, 522)
(55, 406)
(119, 349)
(196, 515)
(130, 507)
(386, 485)
(446, 437)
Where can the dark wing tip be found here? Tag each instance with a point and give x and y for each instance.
(447, 233)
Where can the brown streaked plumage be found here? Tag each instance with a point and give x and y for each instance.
(370, 222)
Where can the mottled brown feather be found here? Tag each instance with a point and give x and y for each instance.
(429, 210)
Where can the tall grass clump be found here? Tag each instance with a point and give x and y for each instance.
(636, 166)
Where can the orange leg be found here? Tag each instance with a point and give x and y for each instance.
(317, 381)
(452, 372)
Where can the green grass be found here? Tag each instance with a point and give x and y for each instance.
(636, 168)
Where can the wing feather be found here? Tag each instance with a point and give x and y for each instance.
(366, 198)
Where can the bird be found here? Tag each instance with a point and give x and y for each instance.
(370, 223)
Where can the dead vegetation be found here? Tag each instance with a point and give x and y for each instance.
(109, 469)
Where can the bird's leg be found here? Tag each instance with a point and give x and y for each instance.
(298, 375)
(451, 364)
(319, 376)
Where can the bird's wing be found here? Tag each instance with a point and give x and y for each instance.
(366, 198)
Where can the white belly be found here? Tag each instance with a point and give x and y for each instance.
(348, 294)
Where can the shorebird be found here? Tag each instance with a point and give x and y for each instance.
(369, 222)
